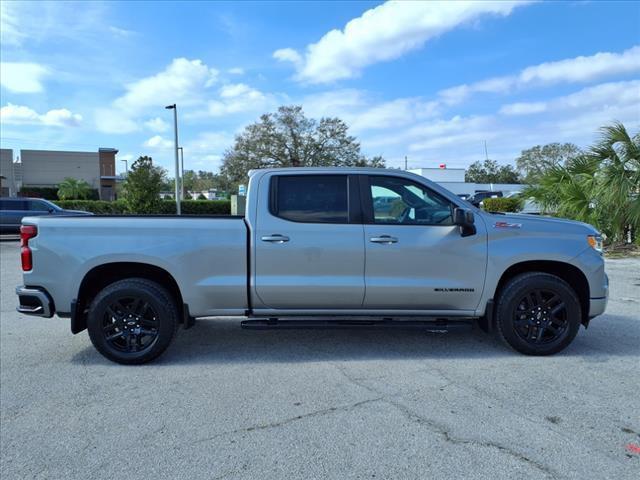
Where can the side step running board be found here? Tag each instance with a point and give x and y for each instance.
(435, 325)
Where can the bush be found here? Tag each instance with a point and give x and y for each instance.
(166, 207)
(117, 207)
(198, 207)
(510, 204)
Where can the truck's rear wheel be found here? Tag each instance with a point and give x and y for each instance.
(538, 313)
(132, 321)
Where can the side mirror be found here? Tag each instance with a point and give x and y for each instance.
(52, 210)
(465, 220)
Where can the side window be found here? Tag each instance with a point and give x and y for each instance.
(397, 200)
(310, 198)
(37, 206)
(12, 205)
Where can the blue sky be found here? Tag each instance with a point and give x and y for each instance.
(429, 80)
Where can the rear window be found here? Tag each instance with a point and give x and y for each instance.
(310, 198)
(12, 205)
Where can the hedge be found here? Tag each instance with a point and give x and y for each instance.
(502, 204)
(167, 207)
(49, 193)
(116, 207)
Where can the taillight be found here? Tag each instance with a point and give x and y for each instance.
(26, 232)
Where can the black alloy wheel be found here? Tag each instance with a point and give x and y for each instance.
(130, 324)
(540, 317)
(537, 313)
(132, 321)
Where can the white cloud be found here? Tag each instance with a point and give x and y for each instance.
(206, 150)
(459, 139)
(157, 125)
(362, 113)
(523, 108)
(384, 33)
(599, 96)
(393, 114)
(236, 71)
(210, 143)
(121, 32)
(237, 98)
(343, 103)
(21, 115)
(288, 55)
(583, 69)
(182, 82)
(235, 90)
(158, 142)
(23, 77)
(10, 31)
(110, 120)
(571, 70)
(36, 22)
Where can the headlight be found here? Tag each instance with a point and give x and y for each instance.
(595, 241)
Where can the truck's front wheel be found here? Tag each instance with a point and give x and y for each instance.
(132, 321)
(538, 313)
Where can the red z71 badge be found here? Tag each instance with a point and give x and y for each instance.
(507, 225)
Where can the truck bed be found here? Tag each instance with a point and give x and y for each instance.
(205, 255)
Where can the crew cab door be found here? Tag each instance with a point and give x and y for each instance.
(416, 258)
(309, 242)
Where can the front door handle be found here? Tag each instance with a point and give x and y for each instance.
(386, 239)
(275, 238)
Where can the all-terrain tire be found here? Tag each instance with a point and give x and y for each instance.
(132, 321)
(537, 313)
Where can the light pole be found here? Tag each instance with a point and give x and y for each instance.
(126, 166)
(175, 132)
(181, 171)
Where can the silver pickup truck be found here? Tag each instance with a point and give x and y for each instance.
(335, 246)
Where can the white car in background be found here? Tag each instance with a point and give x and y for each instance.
(529, 205)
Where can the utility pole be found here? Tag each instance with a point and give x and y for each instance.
(405, 162)
(486, 155)
(175, 133)
(181, 171)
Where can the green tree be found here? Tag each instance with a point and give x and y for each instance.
(377, 162)
(287, 138)
(489, 171)
(143, 186)
(202, 180)
(73, 189)
(601, 187)
(536, 161)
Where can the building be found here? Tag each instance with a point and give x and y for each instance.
(8, 182)
(441, 175)
(48, 168)
(453, 180)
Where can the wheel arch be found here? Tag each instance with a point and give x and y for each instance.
(571, 274)
(103, 275)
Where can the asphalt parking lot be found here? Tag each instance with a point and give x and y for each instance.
(230, 403)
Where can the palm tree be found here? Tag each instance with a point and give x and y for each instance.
(73, 189)
(619, 181)
(601, 187)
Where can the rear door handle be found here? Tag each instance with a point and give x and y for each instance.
(275, 238)
(386, 239)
